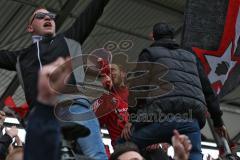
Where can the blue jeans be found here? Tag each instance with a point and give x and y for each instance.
(144, 135)
(92, 145)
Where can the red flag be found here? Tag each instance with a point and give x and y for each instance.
(220, 63)
(21, 110)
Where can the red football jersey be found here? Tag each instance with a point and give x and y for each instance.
(112, 112)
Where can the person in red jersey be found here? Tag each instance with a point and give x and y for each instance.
(111, 109)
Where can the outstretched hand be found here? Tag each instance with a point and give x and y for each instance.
(182, 146)
(153, 147)
(52, 80)
(126, 132)
(12, 132)
(221, 131)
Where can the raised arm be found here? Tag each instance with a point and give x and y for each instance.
(86, 21)
(8, 60)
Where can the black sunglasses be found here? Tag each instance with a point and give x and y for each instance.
(41, 15)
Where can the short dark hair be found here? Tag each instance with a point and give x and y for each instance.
(123, 148)
(162, 30)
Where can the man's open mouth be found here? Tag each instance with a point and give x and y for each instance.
(47, 24)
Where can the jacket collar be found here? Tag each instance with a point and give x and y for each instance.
(167, 43)
(37, 38)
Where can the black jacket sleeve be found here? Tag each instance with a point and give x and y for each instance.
(8, 60)
(212, 99)
(85, 23)
(5, 141)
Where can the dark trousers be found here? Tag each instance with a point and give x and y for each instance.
(43, 134)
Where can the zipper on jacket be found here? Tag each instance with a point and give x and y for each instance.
(39, 59)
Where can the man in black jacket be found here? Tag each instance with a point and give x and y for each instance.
(187, 93)
(43, 131)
